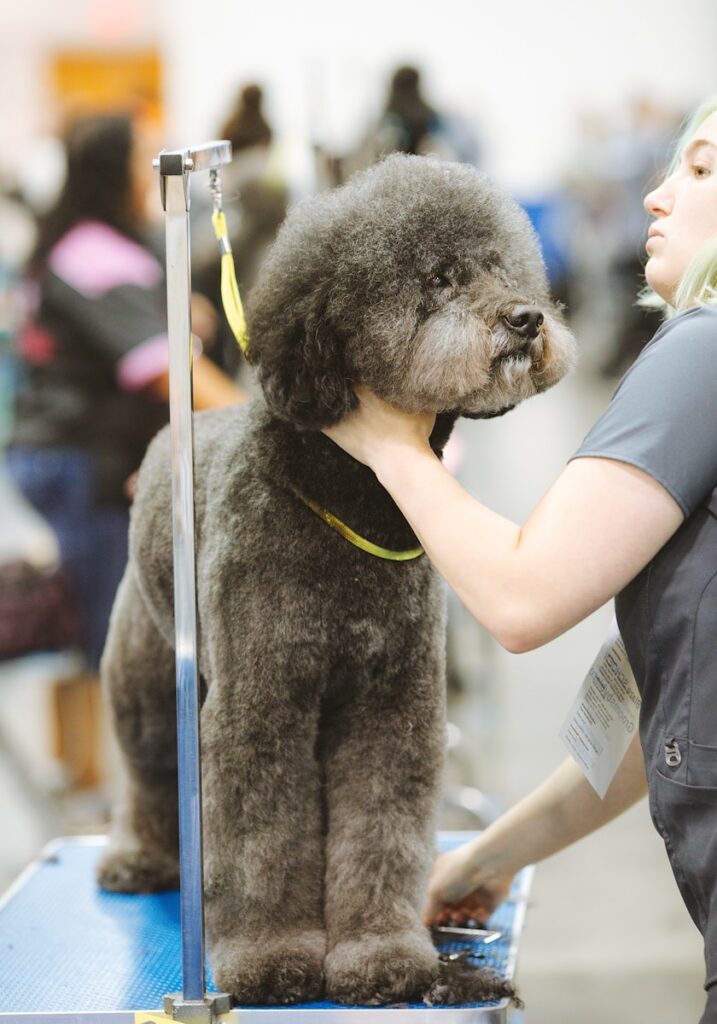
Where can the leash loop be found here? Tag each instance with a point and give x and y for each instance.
(231, 299)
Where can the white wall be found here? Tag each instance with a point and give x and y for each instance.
(520, 69)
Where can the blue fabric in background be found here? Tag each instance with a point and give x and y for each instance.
(59, 483)
(549, 217)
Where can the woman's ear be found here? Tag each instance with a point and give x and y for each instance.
(301, 367)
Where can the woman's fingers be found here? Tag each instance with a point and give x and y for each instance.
(463, 888)
(376, 426)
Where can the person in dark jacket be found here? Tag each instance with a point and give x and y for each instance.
(94, 361)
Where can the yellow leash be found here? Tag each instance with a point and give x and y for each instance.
(356, 539)
(234, 312)
(231, 299)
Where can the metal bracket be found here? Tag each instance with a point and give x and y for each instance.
(192, 1011)
(175, 162)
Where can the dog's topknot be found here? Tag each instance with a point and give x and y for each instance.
(355, 272)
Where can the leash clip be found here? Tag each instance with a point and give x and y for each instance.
(216, 190)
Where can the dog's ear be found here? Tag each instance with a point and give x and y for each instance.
(301, 365)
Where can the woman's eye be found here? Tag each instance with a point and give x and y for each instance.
(701, 171)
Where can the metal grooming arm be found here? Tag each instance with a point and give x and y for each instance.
(175, 169)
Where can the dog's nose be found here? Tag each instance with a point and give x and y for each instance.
(525, 321)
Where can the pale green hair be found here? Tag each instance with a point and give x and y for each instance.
(698, 286)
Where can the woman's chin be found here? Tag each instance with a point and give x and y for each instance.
(660, 283)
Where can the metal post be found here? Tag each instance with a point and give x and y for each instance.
(193, 1003)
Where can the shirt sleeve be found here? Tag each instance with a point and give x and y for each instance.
(663, 415)
(113, 289)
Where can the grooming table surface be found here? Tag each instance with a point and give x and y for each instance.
(72, 953)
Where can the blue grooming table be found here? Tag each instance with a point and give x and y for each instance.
(72, 954)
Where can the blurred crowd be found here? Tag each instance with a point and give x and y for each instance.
(83, 347)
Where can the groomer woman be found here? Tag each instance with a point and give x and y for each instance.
(633, 516)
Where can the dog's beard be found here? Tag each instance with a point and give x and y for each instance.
(459, 363)
(449, 353)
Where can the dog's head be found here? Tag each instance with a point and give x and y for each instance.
(418, 278)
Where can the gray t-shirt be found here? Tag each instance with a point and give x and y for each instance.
(663, 415)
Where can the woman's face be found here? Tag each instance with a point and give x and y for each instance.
(685, 211)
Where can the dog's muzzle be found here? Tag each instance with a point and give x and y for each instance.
(525, 321)
(520, 348)
(520, 335)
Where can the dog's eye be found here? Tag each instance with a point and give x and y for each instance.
(439, 281)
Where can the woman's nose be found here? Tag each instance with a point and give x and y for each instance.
(659, 201)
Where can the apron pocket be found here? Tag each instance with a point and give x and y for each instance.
(686, 818)
(701, 765)
(703, 696)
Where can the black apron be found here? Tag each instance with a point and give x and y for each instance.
(668, 620)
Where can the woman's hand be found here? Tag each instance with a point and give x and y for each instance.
(377, 430)
(473, 879)
(466, 883)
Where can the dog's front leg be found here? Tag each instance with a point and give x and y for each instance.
(383, 756)
(383, 760)
(264, 861)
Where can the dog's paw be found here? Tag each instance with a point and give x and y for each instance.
(458, 983)
(279, 971)
(131, 869)
(377, 970)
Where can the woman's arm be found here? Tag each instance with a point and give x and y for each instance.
(211, 387)
(596, 528)
(556, 814)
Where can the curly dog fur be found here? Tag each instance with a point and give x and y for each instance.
(322, 667)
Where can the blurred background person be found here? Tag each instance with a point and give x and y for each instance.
(616, 160)
(408, 123)
(94, 382)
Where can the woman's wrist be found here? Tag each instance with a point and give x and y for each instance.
(492, 855)
(393, 461)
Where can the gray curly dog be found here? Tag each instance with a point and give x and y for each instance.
(322, 666)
